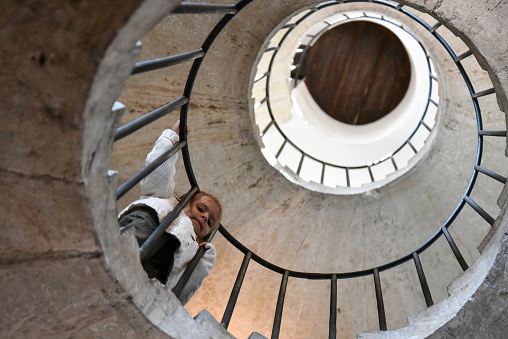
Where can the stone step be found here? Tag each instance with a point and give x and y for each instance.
(212, 326)
(421, 324)
(216, 330)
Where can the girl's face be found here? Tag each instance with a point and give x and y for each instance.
(204, 214)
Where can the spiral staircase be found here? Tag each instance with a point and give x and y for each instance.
(68, 272)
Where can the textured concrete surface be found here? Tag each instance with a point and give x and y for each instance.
(66, 271)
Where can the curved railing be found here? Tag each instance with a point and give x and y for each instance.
(325, 164)
(197, 56)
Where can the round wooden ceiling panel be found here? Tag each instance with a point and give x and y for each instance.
(357, 72)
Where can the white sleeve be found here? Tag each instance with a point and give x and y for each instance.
(202, 270)
(160, 183)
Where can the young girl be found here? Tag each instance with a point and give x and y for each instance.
(184, 236)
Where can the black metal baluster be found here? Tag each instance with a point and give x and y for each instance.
(483, 93)
(492, 133)
(280, 305)
(370, 173)
(153, 243)
(236, 290)
(288, 26)
(148, 118)
(136, 178)
(323, 174)
(262, 101)
(455, 249)
(281, 148)
(259, 78)
(379, 299)
(491, 174)
(426, 126)
(479, 210)
(267, 128)
(177, 290)
(151, 65)
(191, 266)
(394, 163)
(423, 280)
(300, 164)
(412, 147)
(332, 332)
(436, 26)
(463, 56)
(204, 8)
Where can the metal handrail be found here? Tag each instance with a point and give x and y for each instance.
(151, 244)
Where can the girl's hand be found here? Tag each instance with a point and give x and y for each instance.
(202, 244)
(176, 128)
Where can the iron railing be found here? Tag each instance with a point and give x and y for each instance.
(183, 102)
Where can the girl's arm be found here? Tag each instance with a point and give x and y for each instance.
(160, 183)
